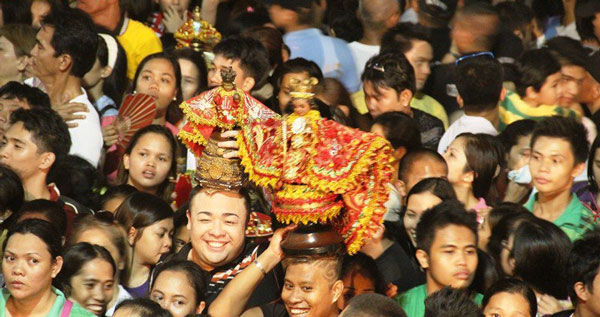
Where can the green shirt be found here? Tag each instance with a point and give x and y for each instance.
(413, 300)
(574, 221)
(513, 108)
(76, 310)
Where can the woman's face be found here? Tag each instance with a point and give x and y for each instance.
(149, 163)
(28, 267)
(154, 242)
(519, 154)
(355, 283)
(174, 293)
(9, 67)
(507, 305)
(100, 237)
(190, 78)
(157, 79)
(415, 207)
(92, 287)
(506, 260)
(456, 159)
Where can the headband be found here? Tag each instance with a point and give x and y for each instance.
(113, 49)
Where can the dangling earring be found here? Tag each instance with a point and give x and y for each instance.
(174, 98)
(134, 92)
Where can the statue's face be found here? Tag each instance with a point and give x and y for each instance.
(301, 106)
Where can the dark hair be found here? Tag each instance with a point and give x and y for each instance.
(337, 95)
(590, 171)
(534, 67)
(399, 38)
(240, 22)
(271, 39)
(21, 36)
(451, 302)
(511, 134)
(34, 97)
(584, 19)
(174, 113)
(16, 11)
(193, 273)
(77, 179)
(567, 129)
(400, 129)
(512, 286)
(140, 210)
(296, 65)
(417, 155)
(503, 229)
(11, 190)
(479, 83)
(373, 305)
(116, 83)
(74, 258)
(503, 209)
(52, 211)
(485, 40)
(514, 16)
(42, 229)
(244, 192)
(482, 160)
(197, 58)
(568, 51)
(165, 188)
(251, 54)
(74, 34)
(438, 187)
(143, 307)
(448, 212)
(360, 263)
(583, 263)
(391, 70)
(486, 274)
(138, 10)
(48, 130)
(539, 241)
(122, 191)
(345, 25)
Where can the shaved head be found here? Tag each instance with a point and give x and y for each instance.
(374, 13)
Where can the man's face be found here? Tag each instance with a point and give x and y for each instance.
(587, 94)
(217, 224)
(452, 259)
(519, 154)
(552, 165)
(93, 6)
(550, 90)
(420, 56)
(219, 63)
(7, 106)
(19, 152)
(309, 289)
(571, 81)
(43, 62)
(380, 100)
(40, 9)
(286, 88)
(425, 168)
(179, 5)
(593, 303)
(9, 67)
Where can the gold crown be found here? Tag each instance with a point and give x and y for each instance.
(303, 89)
(228, 76)
(216, 172)
(197, 33)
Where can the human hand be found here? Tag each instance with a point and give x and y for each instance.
(230, 144)
(172, 20)
(275, 244)
(110, 134)
(548, 305)
(68, 111)
(515, 192)
(391, 290)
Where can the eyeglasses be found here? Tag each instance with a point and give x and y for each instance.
(462, 58)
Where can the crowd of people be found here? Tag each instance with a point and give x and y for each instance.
(491, 110)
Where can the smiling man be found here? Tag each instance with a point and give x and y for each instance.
(447, 251)
(558, 154)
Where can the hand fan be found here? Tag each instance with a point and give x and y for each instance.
(136, 112)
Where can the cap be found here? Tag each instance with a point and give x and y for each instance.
(593, 65)
(292, 4)
(442, 9)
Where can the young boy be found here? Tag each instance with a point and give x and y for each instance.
(559, 149)
(447, 251)
(389, 85)
(248, 58)
(14, 95)
(538, 89)
(583, 278)
(479, 84)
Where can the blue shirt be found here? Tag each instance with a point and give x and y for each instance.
(331, 54)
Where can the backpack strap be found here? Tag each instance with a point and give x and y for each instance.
(66, 311)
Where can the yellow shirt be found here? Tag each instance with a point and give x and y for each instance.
(138, 41)
(513, 108)
(431, 106)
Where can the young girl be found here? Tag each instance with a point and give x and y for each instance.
(588, 192)
(360, 275)
(472, 164)
(148, 222)
(88, 276)
(509, 297)
(179, 287)
(31, 260)
(149, 162)
(100, 229)
(194, 74)
(107, 80)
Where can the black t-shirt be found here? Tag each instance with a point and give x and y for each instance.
(440, 85)
(274, 309)
(431, 128)
(398, 268)
(216, 280)
(565, 313)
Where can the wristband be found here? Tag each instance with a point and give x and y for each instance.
(260, 267)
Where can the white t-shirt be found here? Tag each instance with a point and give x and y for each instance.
(361, 54)
(86, 138)
(464, 124)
